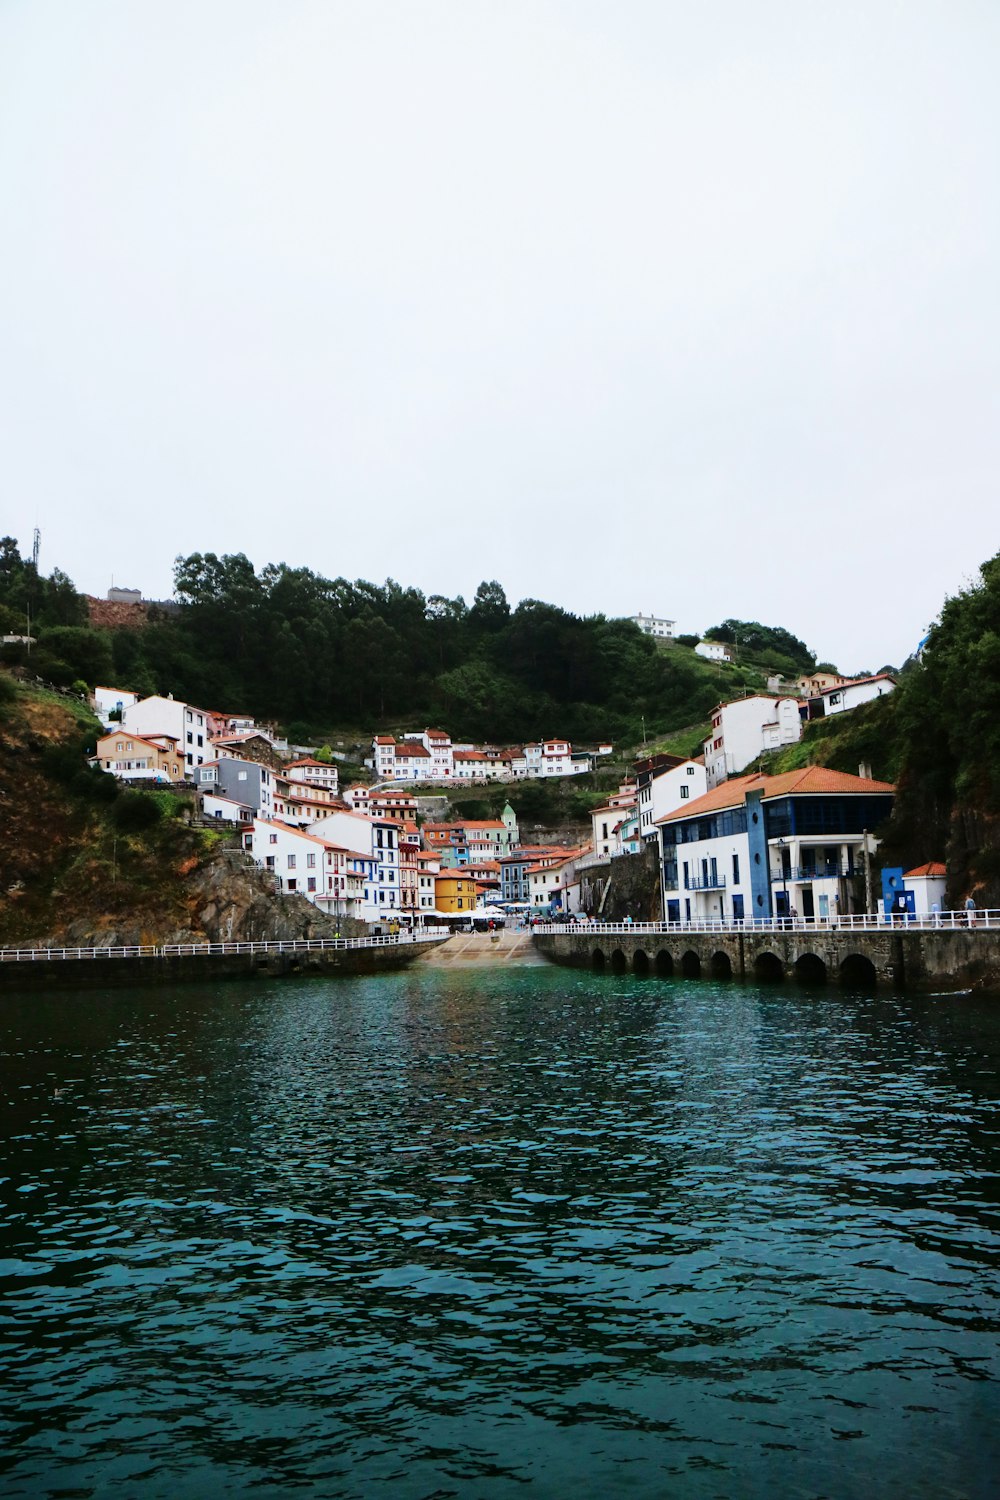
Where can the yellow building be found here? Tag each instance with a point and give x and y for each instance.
(133, 758)
(454, 891)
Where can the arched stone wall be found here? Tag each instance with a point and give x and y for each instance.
(767, 966)
(810, 969)
(858, 972)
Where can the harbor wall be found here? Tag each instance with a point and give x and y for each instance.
(182, 968)
(917, 959)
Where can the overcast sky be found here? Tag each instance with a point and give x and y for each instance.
(683, 307)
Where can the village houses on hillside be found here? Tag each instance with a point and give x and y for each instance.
(364, 853)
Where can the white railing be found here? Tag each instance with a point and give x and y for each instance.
(941, 921)
(213, 950)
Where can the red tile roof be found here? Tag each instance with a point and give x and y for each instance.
(923, 870)
(811, 781)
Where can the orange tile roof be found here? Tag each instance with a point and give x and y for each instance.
(384, 739)
(923, 870)
(811, 781)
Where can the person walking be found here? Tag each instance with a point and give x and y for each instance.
(970, 911)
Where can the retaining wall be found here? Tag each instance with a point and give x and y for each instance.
(175, 968)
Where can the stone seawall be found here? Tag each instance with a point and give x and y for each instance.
(174, 968)
(925, 959)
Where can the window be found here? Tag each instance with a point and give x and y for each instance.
(311, 861)
(690, 770)
(241, 776)
(685, 792)
(736, 869)
(190, 738)
(292, 885)
(311, 883)
(273, 838)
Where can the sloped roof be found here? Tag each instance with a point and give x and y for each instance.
(925, 870)
(810, 781)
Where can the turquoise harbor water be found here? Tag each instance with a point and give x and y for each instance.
(510, 1233)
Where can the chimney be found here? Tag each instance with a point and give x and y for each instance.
(865, 771)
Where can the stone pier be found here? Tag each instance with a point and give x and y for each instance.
(924, 959)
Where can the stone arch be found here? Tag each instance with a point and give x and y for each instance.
(619, 963)
(810, 969)
(721, 965)
(691, 965)
(597, 961)
(640, 963)
(768, 967)
(664, 964)
(858, 972)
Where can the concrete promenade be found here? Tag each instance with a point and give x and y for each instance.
(945, 953)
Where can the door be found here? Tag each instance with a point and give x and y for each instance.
(737, 908)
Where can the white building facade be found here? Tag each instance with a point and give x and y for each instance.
(772, 846)
(744, 729)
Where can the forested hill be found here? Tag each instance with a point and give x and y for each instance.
(313, 653)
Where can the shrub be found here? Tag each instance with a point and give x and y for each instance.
(134, 811)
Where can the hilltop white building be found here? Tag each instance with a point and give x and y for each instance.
(654, 625)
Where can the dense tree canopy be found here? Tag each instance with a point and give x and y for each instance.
(765, 643)
(288, 644)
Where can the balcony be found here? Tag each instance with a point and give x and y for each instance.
(707, 883)
(821, 871)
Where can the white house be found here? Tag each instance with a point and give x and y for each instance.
(376, 841)
(767, 846)
(358, 797)
(654, 625)
(108, 701)
(664, 790)
(607, 822)
(428, 866)
(744, 729)
(182, 722)
(848, 695)
(552, 758)
(713, 651)
(225, 809)
(314, 773)
(927, 882)
(310, 866)
(439, 747)
(554, 883)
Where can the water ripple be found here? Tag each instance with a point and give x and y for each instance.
(437, 1235)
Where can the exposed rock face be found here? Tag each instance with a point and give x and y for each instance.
(973, 857)
(634, 889)
(229, 900)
